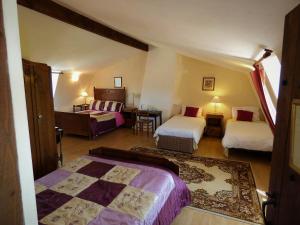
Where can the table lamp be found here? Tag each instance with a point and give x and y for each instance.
(216, 100)
(85, 95)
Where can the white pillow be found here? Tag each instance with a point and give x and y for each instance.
(199, 113)
(253, 109)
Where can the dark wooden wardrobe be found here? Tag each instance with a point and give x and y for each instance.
(40, 111)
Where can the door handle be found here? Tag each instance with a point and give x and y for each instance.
(40, 116)
(270, 201)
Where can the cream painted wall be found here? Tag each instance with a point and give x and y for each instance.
(131, 69)
(68, 92)
(161, 75)
(165, 81)
(233, 88)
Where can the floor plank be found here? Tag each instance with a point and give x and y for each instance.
(123, 138)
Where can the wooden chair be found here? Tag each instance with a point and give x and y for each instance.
(143, 120)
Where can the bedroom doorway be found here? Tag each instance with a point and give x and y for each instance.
(284, 197)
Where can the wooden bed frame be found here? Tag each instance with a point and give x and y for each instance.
(178, 144)
(119, 154)
(79, 124)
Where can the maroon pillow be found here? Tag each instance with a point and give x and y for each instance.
(243, 115)
(191, 111)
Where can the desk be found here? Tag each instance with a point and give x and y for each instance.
(154, 114)
(130, 116)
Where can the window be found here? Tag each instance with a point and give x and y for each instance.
(272, 69)
(55, 76)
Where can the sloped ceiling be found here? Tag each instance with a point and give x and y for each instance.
(227, 32)
(65, 47)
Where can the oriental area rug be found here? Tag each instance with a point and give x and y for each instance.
(221, 186)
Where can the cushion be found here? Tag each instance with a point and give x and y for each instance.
(199, 114)
(253, 109)
(191, 111)
(243, 115)
(111, 106)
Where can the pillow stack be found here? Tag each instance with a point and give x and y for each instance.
(110, 106)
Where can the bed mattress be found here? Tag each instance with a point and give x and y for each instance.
(184, 127)
(248, 135)
(94, 190)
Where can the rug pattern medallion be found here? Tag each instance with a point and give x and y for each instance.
(221, 186)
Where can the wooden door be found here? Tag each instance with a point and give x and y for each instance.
(45, 117)
(40, 110)
(10, 195)
(284, 192)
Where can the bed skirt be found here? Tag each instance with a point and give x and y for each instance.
(178, 144)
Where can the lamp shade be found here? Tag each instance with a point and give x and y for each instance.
(216, 99)
(83, 94)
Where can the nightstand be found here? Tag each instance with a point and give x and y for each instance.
(214, 125)
(81, 107)
(129, 114)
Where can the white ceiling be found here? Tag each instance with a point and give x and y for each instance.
(65, 47)
(219, 31)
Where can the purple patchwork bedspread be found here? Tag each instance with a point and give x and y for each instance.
(98, 191)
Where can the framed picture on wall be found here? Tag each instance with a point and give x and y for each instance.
(118, 82)
(208, 84)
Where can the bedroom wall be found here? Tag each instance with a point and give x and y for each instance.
(233, 88)
(160, 80)
(131, 69)
(68, 92)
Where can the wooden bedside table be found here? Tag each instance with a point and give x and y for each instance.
(81, 107)
(129, 114)
(214, 125)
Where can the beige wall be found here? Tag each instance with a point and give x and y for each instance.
(164, 80)
(159, 86)
(233, 88)
(68, 92)
(131, 69)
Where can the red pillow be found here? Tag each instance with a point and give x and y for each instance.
(191, 111)
(243, 115)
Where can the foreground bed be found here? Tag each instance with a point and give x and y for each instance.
(247, 135)
(180, 133)
(107, 189)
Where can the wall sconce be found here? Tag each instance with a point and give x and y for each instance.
(75, 76)
(216, 101)
(85, 95)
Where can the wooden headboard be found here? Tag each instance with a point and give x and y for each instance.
(110, 94)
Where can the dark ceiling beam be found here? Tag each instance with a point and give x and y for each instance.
(66, 15)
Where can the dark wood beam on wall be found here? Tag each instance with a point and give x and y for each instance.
(10, 194)
(66, 15)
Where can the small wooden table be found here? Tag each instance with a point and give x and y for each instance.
(129, 114)
(154, 114)
(214, 125)
(81, 107)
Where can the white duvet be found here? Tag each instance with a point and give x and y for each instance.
(248, 135)
(183, 126)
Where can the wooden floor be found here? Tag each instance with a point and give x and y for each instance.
(123, 138)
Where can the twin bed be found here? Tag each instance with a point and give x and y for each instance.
(183, 133)
(255, 136)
